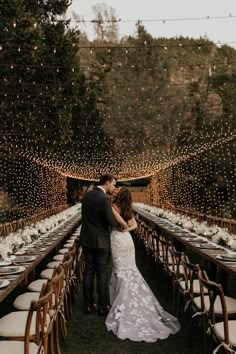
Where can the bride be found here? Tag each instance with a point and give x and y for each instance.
(135, 313)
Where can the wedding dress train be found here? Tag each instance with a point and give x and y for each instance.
(135, 312)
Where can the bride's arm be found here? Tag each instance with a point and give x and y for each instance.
(132, 224)
(119, 219)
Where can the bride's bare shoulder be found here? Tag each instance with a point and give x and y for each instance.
(116, 207)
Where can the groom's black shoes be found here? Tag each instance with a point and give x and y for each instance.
(103, 311)
(90, 309)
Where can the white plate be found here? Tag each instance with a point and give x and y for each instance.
(226, 258)
(20, 252)
(30, 248)
(5, 263)
(4, 283)
(24, 259)
(193, 239)
(208, 246)
(11, 270)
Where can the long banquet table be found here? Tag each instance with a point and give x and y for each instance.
(52, 242)
(181, 236)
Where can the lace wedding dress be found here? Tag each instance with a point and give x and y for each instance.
(135, 312)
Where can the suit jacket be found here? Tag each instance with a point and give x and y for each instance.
(97, 220)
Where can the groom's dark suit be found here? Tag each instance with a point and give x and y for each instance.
(97, 221)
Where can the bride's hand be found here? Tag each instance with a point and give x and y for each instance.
(123, 229)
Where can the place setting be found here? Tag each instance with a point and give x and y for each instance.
(208, 246)
(24, 259)
(35, 248)
(227, 257)
(185, 234)
(5, 263)
(195, 239)
(8, 270)
(4, 283)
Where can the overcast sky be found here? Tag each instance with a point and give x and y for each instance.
(223, 30)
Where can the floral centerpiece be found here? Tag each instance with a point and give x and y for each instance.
(22, 237)
(215, 233)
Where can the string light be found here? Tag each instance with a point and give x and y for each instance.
(161, 105)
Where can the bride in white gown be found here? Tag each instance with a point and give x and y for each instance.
(135, 313)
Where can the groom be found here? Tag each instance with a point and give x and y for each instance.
(97, 221)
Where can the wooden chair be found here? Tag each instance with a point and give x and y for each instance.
(190, 288)
(24, 332)
(67, 265)
(177, 271)
(153, 250)
(165, 261)
(80, 264)
(224, 331)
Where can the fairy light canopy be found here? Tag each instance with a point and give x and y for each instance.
(131, 108)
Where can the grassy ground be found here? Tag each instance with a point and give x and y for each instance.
(87, 333)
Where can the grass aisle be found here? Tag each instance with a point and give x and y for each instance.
(87, 333)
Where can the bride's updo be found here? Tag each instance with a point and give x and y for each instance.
(124, 202)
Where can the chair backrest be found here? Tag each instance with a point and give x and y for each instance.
(190, 273)
(79, 262)
(155, 244)
(67, 266)
(176, 257)
(214, 290)
(58, 285)
(73, 253)
(44, 323)
(165, 246)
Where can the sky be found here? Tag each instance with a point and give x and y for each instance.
(217, 30)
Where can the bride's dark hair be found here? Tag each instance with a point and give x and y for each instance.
(124, 201)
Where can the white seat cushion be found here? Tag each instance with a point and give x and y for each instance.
(54, 264)
(181, 269)
(219, 330)
(36, 285)
(47, 273)
(196, 286)
(230, 304)
(170, 261)
(63, 250)
(58, 257)
(13, 324)
(68, 245)
(16, 347)
(23, 301)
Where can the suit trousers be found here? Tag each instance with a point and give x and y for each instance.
(97, 261)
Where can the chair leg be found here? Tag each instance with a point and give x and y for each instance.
(174, 294)
(63, 329)
(57, 336)
(52, 341)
